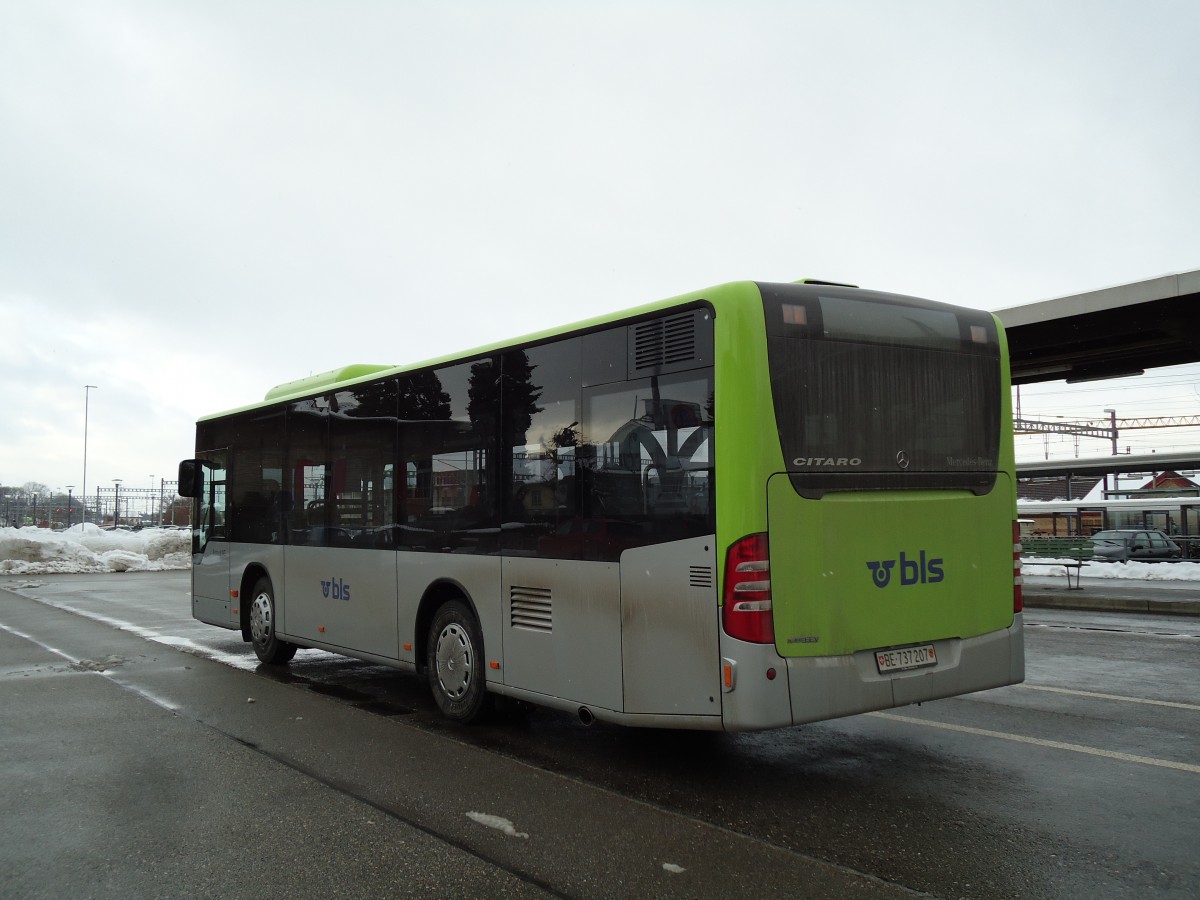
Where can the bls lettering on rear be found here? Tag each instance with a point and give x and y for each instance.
(336, 588)
(920, 569)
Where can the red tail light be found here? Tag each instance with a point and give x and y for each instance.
(1018, 598)
(746, 614)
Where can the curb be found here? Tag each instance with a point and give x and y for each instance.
(1084, 601)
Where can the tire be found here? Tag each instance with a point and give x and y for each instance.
(454, 663)
(267, 647)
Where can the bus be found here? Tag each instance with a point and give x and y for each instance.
(748, 507)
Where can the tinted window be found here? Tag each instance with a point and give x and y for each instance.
(645, 465)
(210, 506)
(541, 433)
(256, 478)
(447, 480)
(362, 430)
(604, 356)
(307, 474)
(209, 514)
(873, 391)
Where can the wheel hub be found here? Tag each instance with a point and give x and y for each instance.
(453, 656)
(260, 619)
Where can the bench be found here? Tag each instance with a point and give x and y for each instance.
(1072, 553)
(1076, 564)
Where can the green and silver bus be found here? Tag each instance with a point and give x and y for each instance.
(747, 507)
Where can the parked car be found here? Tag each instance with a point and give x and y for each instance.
(1124, 544)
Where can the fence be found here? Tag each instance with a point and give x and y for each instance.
(140, 507)
(108, 506)
(1079, 547)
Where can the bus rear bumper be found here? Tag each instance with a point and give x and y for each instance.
(830, 687)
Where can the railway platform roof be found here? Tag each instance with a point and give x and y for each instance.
(1108, 333)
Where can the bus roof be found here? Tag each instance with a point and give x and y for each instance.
(348, 375)
(360, 372)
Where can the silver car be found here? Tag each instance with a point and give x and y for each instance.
(1124, 544)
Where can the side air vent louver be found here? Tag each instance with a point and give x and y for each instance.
(531, 608)
(700, 576)
(667, 341)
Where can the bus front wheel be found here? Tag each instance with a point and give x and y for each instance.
(454, 663)
(267, 646)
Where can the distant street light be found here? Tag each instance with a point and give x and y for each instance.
(83, 490)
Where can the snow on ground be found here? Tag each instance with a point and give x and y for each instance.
(89, 548)
(1130, 571)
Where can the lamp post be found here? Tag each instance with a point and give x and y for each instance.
(83, 490)
(70, 487)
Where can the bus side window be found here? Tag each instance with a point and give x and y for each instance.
(648, 463)
(540, 393)
(362, 453)
(307, 473)
(447, 427)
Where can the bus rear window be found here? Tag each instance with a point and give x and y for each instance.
(878, 392)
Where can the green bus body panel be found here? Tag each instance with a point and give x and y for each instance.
(944, 558)
(822, 588)
(746, 439)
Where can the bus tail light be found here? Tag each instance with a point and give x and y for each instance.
(746, 614)
(1018, 581)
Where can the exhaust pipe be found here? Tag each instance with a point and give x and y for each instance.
(585, 716)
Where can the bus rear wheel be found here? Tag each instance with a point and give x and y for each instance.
(454, 663)
(267, 646)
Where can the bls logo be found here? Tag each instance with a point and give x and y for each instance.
(335, 588)
(920, 570)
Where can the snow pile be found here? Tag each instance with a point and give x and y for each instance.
(1143, 571)
(89, 548)
(1130, 571)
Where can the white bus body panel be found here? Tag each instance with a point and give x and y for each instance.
(562, 629)
(340, 597)
(210, 585)
(475, 577)
(670, 624)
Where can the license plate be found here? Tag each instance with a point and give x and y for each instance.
(906, 658)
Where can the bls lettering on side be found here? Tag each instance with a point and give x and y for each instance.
(336, 588)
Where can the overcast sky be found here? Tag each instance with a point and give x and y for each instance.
(201, 200)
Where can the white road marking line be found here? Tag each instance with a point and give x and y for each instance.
(1092, 695)
(110, 675)
(187, 645)
(1039, 742)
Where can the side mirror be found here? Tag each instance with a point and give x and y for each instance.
(191, 478)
